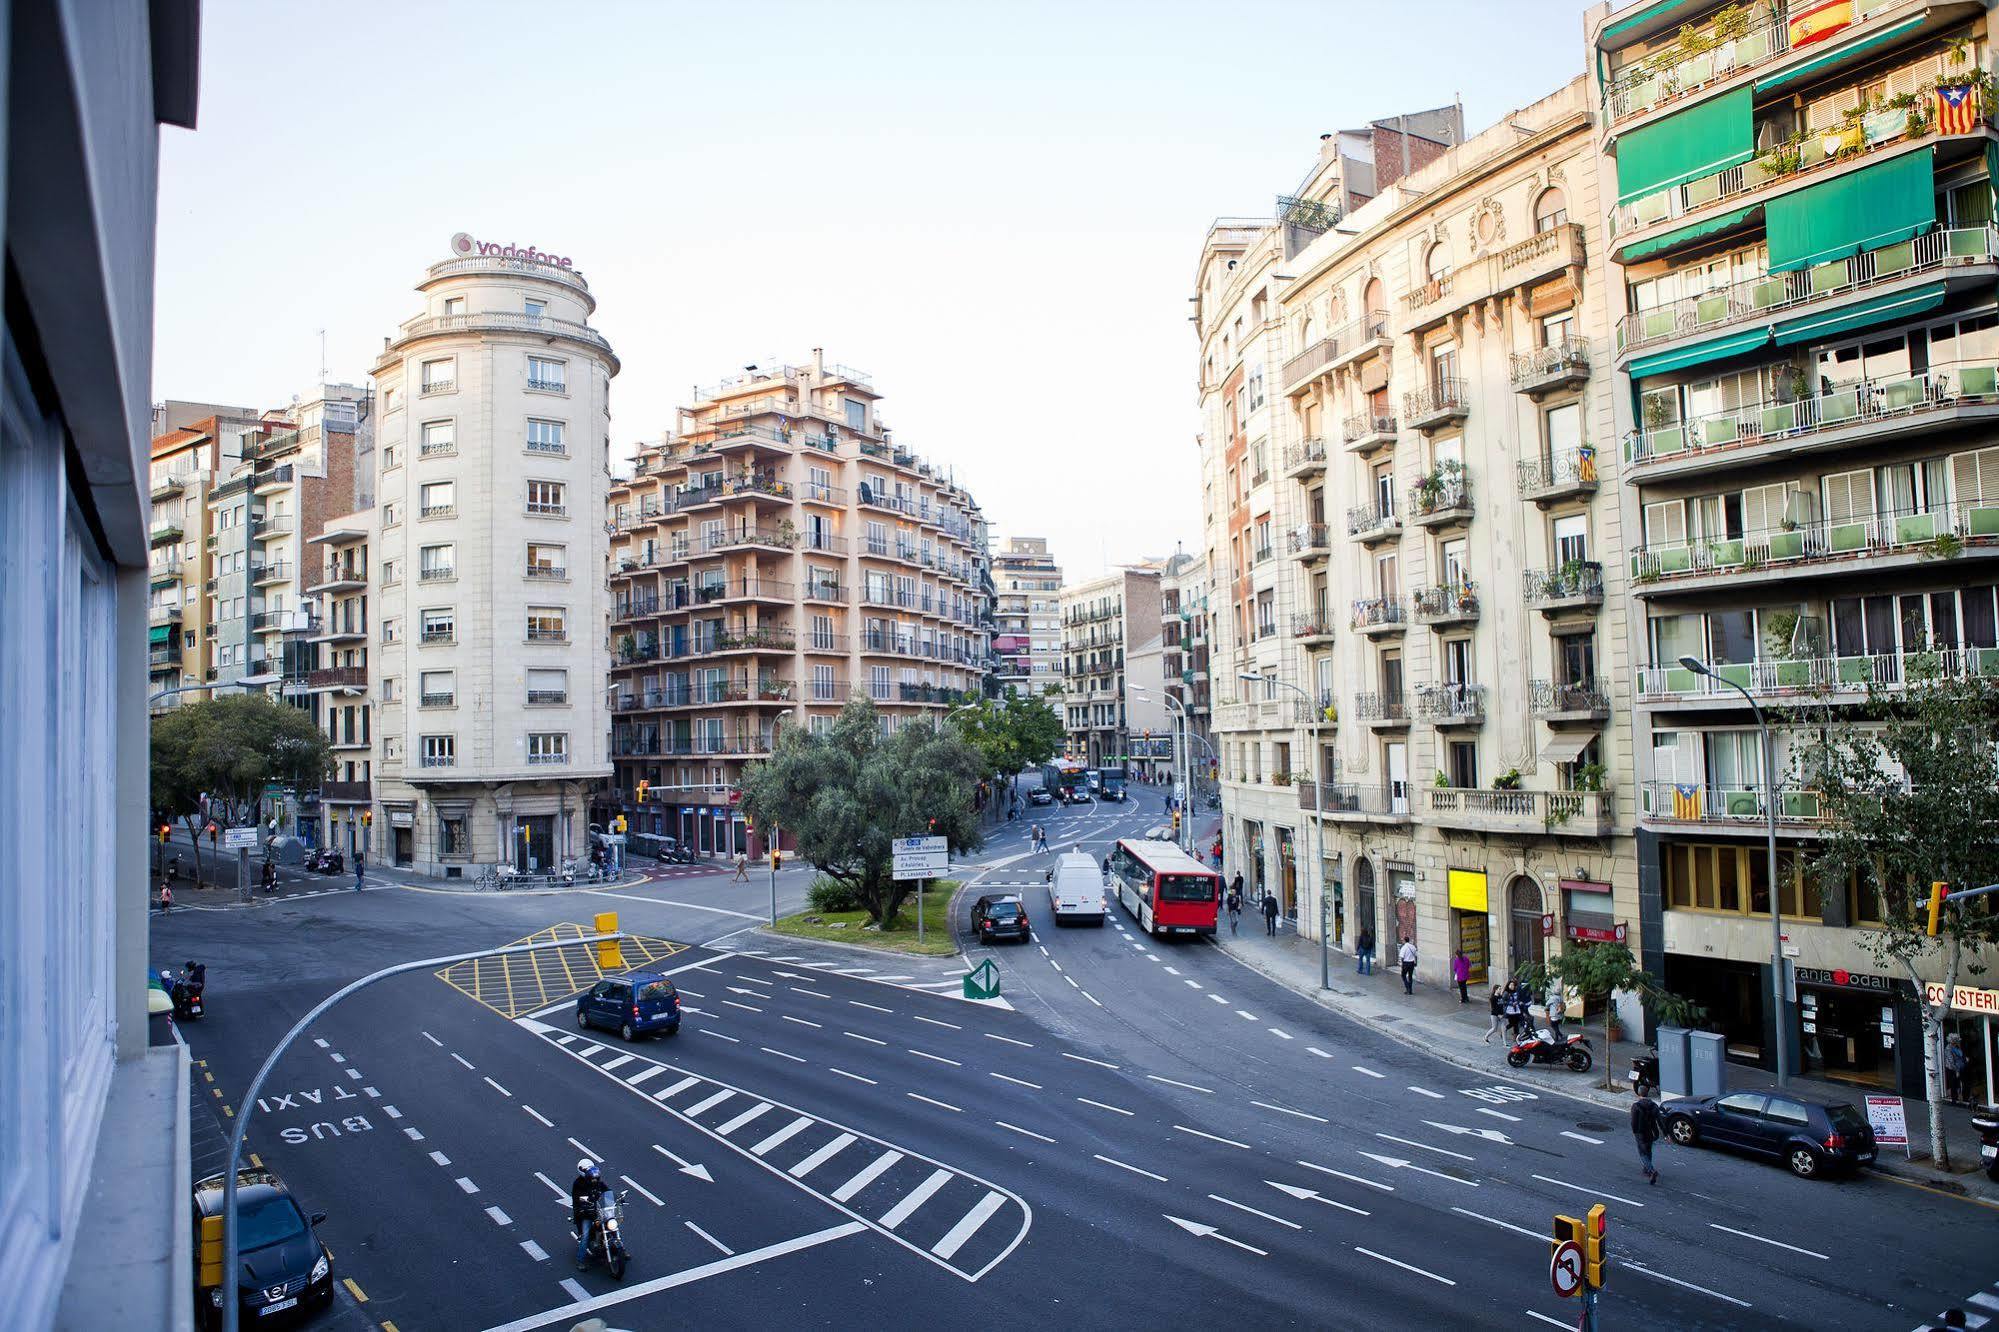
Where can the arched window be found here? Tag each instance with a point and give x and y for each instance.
(1524, 943)
(1374, 299)
(1551, 210)
(1305, 333)
(1363, 895)
(1437, 263)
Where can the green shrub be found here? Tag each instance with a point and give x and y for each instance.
(830, 895)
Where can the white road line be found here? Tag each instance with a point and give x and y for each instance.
(669, 1092)
(855, 971)
(440, 1158)
(1583, 1137)
(876, 1007)
(1004, 1077)
(1762, 1239)
(1541, 1317)
(781, 1054)
(937, 1022)
(589, 1051)
(1595, 1193)
(1352, 1179)
(914, 1199)
(586, 1151)
(1503, 1225)
(711, 1239)
(968, 1225)
(1396, 1262)
(757, 1111)
(643, 1191)
(719, 1036)
(1230, 1142)
(1218, 999)
(1092, 998)
(866, 1176)
(822, 1156)
(575, 1288)
(686, 993)
(1313, 1049)
(869, 1039)
(1362, 1068)
(1744, 1304)
(1245, 1015)
(413, 1135)
(498, 1088)
(1072, 982)
(1282, 1110)
(375, 1095)
(1205, 1091)
(467, 1184)
(1172, 971)
(649, 1071)
(941, 1105)
(392, 1112)
(816, 994)
(749, 1007)
(1500, 1114)
(1057, 965)
(1101, 1106)
(855, 1076)
(993, 1036)
(1132, 1168)
(462, 1059)
(611, 1065)
(1027, 1132)
(553, 1187)
(1425, 1091)
(534, 1251)
(1280, 1033)
(339, 1058)
(1424, 1146)
(1244, 1207)
(939, 1058)
(1195, 985)
(707, 1102)
(782, 1136)
(319, 1041)
(552, 1008)
(801, 1021)
(1081, 1059)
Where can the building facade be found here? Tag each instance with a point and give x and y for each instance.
(1113, 669)
(1027, 619)
(1184, 664)
(776, 557)
(1803, 265)
(187, 462)
(485, 647)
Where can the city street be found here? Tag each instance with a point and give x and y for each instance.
(1145, 1126)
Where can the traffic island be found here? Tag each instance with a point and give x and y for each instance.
(899, 936)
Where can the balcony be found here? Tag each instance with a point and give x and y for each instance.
(1305, 460)
(1451, 705)
(338, 630)
(337, 677)
(755, 639)
(284, 621)
(1559, 365)
(1381, 712)
(1447, 604)
(1497, 276)
(546, 633)
(168, 486)
(1378, 617)
(1374, 522)
(1367, 334)
(163, 655)
(824, 590)
(813, 492)
(165, 573)
(167, 532)
(1575, 586)
(1891, 539)
(742, 589)
(272, 479)
(272, 526)
(1525, 813)
(1820, 679)
(1367, 432)
(436, 573)
(1311, 542)
(1554, 477)
(345, 793)
(546, 572)
(825, 643)
(1569, 702)
(1312, 630)
(747, 537)
(1744, 808)
(1443, 498)
(163, 615)
(341, 577)
(1356, 802)
(266, 575)
(437, 511)
(430, 637)
(443, 699)
(1445, 402)
(759, 488)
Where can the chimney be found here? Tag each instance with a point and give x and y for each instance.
(819, 361)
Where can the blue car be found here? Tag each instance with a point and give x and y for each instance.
(638, 1003)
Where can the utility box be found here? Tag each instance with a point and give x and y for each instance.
(1708, 1062)
(1674, 1076)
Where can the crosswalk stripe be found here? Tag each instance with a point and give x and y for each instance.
(915, 1198)
(868, 1174)
(760, 1108)
(968, 1225)
(618, 1063)
(649, 1071)
(668, 1093)
(710, 1102)
(822, 1156)
(782, 1136)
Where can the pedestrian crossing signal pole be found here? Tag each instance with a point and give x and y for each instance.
(1576, 1267)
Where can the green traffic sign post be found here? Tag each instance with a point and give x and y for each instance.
(982, 981)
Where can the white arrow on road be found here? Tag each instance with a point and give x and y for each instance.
(1313, 1195)
(687, 1167)
(1209, 1232)
(1398, 1163)
(1490, 1135)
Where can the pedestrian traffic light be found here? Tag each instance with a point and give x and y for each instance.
(1938, 892)
(1595, 1247)
(749, 822)
(618, 824)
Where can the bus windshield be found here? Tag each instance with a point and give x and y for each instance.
(1187, 888)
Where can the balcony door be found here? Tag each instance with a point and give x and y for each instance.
(1457, 663)
(1391, 678)
(1396, 764)
(1571, 539)
(1384, 490)
(1455, 563)
(1575, 660)
(1387, 576)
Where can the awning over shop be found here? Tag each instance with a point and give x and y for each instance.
(1468, 891)
(1831, 323)
(1672, 240)
(1879, 205)
(1705, 138)
(1714, 349)
(1567, 748)
(1799, 73)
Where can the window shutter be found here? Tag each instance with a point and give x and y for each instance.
(1975, 476)
(1762, 508)
(1848, 495)
(1666, 523)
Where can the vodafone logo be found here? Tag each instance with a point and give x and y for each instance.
(464, 245)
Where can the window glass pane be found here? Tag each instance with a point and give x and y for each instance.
(1728, 886)
(1565, 427)
(1732, 636)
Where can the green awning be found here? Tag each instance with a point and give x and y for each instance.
(160, 633)
(1714, 349)
(1879, 205)
(1798, 72)
(1705, 138)
(1673, 240)
(1649, 14)
(1844, 319)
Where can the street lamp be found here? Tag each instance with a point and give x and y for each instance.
(1183, 777)
(1318, 834)
(1699, 667)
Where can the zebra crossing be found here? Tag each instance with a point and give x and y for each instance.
(948, 1216)
(1979, 1310)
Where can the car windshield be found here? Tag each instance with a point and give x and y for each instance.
(1187, 888)
(1845, 1119)
(268, 1220)
(658, 991)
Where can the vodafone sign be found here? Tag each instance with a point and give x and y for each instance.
(464, 246)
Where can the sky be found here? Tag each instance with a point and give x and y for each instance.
(995, 209)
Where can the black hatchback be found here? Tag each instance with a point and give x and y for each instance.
(1000, 917)
(1811, 1137)
(284, 1267)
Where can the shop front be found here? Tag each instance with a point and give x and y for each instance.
(1364, 905)
(1851, 1028)
(1974, 1020)
(1287, 874)
(1589, 918)
(1402, 888)
(1527, 926)
(1471, 931)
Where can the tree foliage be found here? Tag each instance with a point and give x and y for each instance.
(1011, 733)
(230, 748)
(846, 795)
(1601, 970)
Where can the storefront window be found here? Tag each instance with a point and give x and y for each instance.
(1702, 877)
(451, 836)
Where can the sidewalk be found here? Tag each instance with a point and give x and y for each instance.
(1433, 1021)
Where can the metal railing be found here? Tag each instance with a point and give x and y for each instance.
(1445, 394)
(434, 573)
(1343, 341)
(1364, 426)
(1369, 612)
(545, 696)
(1578, 581)
(329, 677)
(1697, 802)
(1821, 674)
(548, 758)
(547, 571)
(1583, 812)
(1305, 456)
(1450, 702)
(1375, 516)
(437, 700)
(1894, 532)
(1557, 472)
(1446, 601)
(436, 636)
(1312, 626)
(1567, 696)
(1310, 537)
(1377, 706)
(1442, 492)
(1570, 355)
(548, 508)
(546, 385)
(1377, 799)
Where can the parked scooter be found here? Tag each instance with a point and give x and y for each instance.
(1986, 1121)
(1644, 1074)
(1545, 1047)
(326, 860)
(607, 1237)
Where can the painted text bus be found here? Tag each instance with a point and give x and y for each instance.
(1166, 890)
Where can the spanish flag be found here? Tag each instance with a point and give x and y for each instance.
(1686, 802)
(1956, 109)
(1815, 23)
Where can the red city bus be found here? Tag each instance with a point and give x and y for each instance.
(1166, 890)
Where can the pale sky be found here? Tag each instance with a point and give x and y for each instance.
(994, 209)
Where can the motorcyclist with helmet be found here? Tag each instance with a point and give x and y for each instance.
(584, 1192)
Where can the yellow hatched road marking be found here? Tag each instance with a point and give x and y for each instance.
(512, 986)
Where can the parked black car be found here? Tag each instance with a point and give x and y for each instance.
(999, 916)
(1810, 1137)
(285, 1269)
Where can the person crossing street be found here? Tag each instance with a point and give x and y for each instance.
(1645, 1131)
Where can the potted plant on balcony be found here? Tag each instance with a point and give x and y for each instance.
(1570, 579)
(1441, 780)
(1507, 781)
(1431, 490)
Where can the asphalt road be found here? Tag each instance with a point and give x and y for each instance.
(1143, 1129)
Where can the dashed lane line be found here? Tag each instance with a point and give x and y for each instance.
(1244, 1207)
(1280, 1033)
(1500, 1114)
(994, 1036)
(534, 1251)
(466, 1184)
(922, 1054)
(1362, 1068)
(1762, 1239)
(1188, 1086)
(1007, 1077)
(941, 1105)
(498, 1088)
(1425, 1091)
(642, 1191)
(711, 1239)
(1595, 1193)
(720, 1036)
(781, 1054)
(463, 1060)
(855, 1076)
(869, 1039)
(439, 1158)
(1583, 1137)
(1424, 1146)
(1025, 1132)
(1211, 1137)
(1353, 1179)
(1315, 1050)
(1084, 1059)
(586, 1151)
(936, 1022)
(1116, 1110)
(1285, 1110)
(1407, 1267)
(1132, 1168)
(803, 1022)
(433, 1040)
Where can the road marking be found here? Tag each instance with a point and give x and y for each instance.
(554, 1188)
(915, 1198)
(782, 1136)
(1246, 1015)
(706, 1102)
(440, 1158)
(1081, 1059)
(1353, 1179)
(942, 1105)
(719, 1036)
(1195, 985)
(1538, 1315)
(710, 1238)
(1072, 982)
(643, 1191)
(968, 1225)
(1424, 1146)
(1503, 1225)
(1053, 963)
(1596, 1193)
(1244, 1207)
(816, 994)
(575, 1288)
(500, 1218)
(1205, 1091)
(1583, 1137)
(750, 1007)
(463, 1060)
(756, 1111)
(354, 1290)
(413, 1135)
(339, 1058)
(1203, 1231)
(823, 1155)
(876, 1007)
(1744, 1304)
(781, 1054)
(802, 1021)
(1809, 1253)
(939, 1058)
(676, 1088)
(534, 1251)
(373, 1095)
(1293, 1191)
(1313, 1049)
(937, 1022)
(392, 1112)
(855, 1076)
(1132, 1168)
(869, 1039)
(1172, 971)
(1425, 1091)
(1230, 1142)
(1280, 1033)
(686, 993)
(319, 1041)
(1092, 998)
(466, 1184)
(649, 1071)
(611, 1065)
(1396, 1262)
(1101, 1106)
(1028, 1132)
(1284, 1111)
(586, 1151)
(993, 1036)
(498, 1088)
(867, 1175)
(1218, 999)
(1500, 1114)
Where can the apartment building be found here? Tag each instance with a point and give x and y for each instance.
(775, 557)
(336, 578)
(1806, 362)
(1184, 663)
(186, 461)
(1113, 668)
(1027, 619)
(484, 639)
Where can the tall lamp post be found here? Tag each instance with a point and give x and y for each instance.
(1182, 753)
(1699, 667)
(1318, 834)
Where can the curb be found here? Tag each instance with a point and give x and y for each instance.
(864, 950)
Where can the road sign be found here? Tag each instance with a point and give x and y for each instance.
(982, 981)
(240, 839)
(1565, 1270)
(921, 857)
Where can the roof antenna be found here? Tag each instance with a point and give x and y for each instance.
(322, 361)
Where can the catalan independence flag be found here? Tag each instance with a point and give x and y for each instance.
(1586, 463)
(1686, 801)
(1956, 109)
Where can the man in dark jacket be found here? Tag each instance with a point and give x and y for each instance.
(1270, 913)
(584, 1191)
(1645, 1129)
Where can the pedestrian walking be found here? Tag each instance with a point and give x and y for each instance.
(166, 897)
(1645, 1131)
(1406, 955)
(1363, 948)
(1514, 1005)
(1953, 1071)
(1270, 913)
(1235, 907)
(357, 871)
(1461, 975)
(742, 867)
(1498, 1006)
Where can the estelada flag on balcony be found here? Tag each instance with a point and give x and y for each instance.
(1956, 109)
(1815, 23)
(1586, 463)
(1686, 801)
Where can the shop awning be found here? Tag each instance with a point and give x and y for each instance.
(1567, 748)
(1468, 891)
(1798, 73)
(1705, 138)
(1880, 205)
(1831, 323)
(1672, 240)
(1714, 349)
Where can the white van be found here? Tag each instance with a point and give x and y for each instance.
(1076, 889)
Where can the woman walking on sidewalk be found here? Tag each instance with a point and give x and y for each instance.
(1235, 907)
(1461, 975)
(1498, 1008)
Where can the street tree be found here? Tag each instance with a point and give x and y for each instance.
(1011, 733)
(1601, 971)
(1908, 798)
(846, 794)
(229, 749)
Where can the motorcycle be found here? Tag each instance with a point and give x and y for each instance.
(1644, 1074)
(326, 861)
(1552, 1048)
(607, 1237)
(186, 993)
(1986, 1121)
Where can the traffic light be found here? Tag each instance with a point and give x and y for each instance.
(166, 831)
(644, 786)
(367, 818)
(1938, 892)
(1569, 1230)
(776, 860)
(749, 822)
(618, 825)
(1176, 820)
(1595, 1248)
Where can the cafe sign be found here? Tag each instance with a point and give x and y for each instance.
(1598, 934)
(1963, 998)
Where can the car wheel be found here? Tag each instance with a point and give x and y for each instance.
(1805, 1163)
(1682, 1131)
(625, 1033)
(582, 1020)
